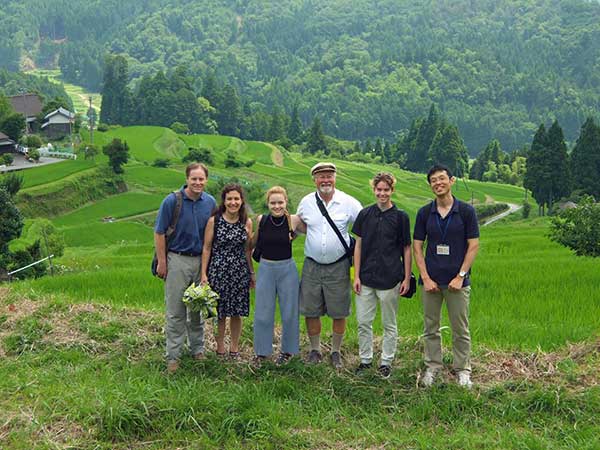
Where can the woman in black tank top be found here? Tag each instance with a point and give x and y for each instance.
(277, 277)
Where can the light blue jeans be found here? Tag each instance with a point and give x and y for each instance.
(276, 279)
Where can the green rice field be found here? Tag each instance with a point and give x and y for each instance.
(81, 352)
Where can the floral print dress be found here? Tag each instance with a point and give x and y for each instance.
(228, 272)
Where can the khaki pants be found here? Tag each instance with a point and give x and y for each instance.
(366, 307)
(182, 271)
(457, 304)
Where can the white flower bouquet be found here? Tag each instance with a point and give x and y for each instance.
(201, 298)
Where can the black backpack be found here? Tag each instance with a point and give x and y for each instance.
(170, 230)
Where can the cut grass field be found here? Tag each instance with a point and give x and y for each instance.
(535, 324)
(89, 376)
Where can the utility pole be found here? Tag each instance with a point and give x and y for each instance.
(91, 115)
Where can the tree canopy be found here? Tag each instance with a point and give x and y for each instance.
(495, 69)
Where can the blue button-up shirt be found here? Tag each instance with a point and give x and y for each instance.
(189, 231)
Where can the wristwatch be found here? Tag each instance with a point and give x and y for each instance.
(462, 274)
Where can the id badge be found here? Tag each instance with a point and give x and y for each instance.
(443, 249)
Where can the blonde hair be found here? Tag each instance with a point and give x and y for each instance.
(282, 191)
(276, 190)
(386, 177)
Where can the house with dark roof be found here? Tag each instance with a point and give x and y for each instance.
(7, 145)
(58, 123)
(30, 105)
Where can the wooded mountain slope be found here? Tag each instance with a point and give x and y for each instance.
(495, 68)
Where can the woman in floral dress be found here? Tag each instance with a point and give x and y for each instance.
(227, 264)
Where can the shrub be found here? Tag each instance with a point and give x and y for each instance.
(231, 161)
(180, 128)
(7, 159)
(161, 162)
(526, 209)
(34, 154)
(33, 141)
(203, 155)
(11, 182)
(102, 127)
(578, 228)
(485, 211)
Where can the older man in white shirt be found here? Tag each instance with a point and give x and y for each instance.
(325, 288)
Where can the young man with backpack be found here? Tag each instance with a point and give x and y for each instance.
(382, 270)
(178, 239)
(450, 228)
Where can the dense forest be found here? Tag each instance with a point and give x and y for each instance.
(496, 69)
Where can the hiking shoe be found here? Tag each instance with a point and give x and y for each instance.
(336, 360)
(428, 378)
(384, 371)
(362, 367)
(283, 358)
(464, 379)
(172, 366)
(258, 360)
(315, 357)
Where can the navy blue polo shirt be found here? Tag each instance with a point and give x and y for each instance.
(384, 234)
(189, 232)
(443, 268)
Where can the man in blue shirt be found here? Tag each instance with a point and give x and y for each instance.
(179, 261)
(452, 233)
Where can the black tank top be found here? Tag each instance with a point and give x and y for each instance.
(274, 237)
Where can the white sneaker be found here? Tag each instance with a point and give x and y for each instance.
(464, 379)
(428, 378)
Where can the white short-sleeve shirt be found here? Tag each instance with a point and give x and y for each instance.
(322, 244)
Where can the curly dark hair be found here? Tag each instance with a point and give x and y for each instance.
(229, 188)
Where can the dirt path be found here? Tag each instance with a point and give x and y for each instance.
(276, 155)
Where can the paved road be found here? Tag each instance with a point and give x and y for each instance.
(511, 209)
(21, 163)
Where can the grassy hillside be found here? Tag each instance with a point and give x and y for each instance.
(81, 352)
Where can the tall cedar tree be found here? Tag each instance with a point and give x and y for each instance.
(117, 104)
(492, 152)
(316, 138)
(585, 159)
(449, 149)
(387, 152)
(558, 165)
(406, 145)
(535, 178)
(295, 130)
(277, 125)
(378, 150)
(417, 159)
(229, 111)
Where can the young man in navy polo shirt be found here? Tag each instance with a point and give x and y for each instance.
(382, 268)
(450, 228)
(179, 261)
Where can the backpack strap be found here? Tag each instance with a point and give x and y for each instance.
(462, 212)
(176, 213)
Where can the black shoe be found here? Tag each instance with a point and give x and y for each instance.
(384, 371)
(362, 367)
(314, 357)
(336, 360)
(283, 358)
